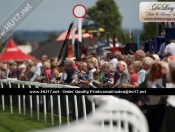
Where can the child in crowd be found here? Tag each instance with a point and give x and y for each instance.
(94, 83)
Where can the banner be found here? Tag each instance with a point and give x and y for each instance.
(157, 11)
(67, 91)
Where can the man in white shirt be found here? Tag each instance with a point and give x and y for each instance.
(170, 48)
(117, 44)
(37, 72)
(111, 58)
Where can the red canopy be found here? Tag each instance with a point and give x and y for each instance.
(12, 52)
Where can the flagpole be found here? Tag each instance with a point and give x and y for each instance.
(73, 40)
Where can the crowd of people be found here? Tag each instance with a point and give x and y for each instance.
(112, 70)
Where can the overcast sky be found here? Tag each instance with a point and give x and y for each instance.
(57, 14)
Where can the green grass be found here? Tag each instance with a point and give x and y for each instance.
(19, 123)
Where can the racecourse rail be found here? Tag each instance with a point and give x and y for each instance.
(90, 113)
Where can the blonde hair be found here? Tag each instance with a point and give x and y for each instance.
(93, 61)
(4, 66)
(118, 53)
(110, 67)
(47, 65)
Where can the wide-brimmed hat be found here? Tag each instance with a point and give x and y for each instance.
(22, 66)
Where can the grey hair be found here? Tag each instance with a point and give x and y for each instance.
(137, 64)
(105, 53)
(123, 63)
(68, 62)
(148, 60)
(141, 53)
(118, 53)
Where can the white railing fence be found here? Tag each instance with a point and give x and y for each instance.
(113, 115)
(92, 113)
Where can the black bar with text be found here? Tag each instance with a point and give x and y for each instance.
(67, 91)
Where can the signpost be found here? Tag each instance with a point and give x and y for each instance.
(79, 11)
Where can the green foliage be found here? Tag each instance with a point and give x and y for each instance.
(149, 30)
(105, 14)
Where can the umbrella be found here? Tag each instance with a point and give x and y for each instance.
(63, 35)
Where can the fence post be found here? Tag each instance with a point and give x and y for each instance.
(24, 102)
(37, 101)
(31, 105)
(76, 108)
(11, 105)
(51, 103)
(19, 101)
(3, 103)
(84, 107)
(67, 109)
(59, 109)
(45, 110)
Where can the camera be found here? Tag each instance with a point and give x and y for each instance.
(107, 81)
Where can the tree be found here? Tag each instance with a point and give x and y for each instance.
(149, 28)
(105, 14)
